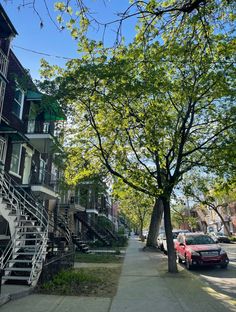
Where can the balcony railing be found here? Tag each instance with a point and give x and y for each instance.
(3, 63)
(45, 178)
(40, 127)
(2, 94)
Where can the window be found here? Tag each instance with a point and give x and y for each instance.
(15, 158)
(18, 103)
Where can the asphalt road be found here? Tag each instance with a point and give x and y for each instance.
(221, 280)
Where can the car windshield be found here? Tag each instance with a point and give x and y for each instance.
(199, 240)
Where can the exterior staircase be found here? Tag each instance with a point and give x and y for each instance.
(23, 258)
(82, 246)
(99, 233)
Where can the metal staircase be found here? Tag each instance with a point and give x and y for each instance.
(81, 245)
(101, 234)
(23, 258)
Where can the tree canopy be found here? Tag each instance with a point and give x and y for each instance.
(156, 109)
(150, 113)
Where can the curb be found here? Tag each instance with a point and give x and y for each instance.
(17, 295)
(4, 299)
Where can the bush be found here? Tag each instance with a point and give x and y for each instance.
(105, 223)
(121, 230)
(122, 241)
(65, 281)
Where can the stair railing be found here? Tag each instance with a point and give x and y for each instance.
(37, 258)
(22, 198)
(8, 251)
(22, 202)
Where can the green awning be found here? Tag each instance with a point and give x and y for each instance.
(48, 105)
(33, 96)
(15, 135)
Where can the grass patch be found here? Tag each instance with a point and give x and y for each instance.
(98, 258)
(98, 282)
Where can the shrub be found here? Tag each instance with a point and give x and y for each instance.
(65, 281)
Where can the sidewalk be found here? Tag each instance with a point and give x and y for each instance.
(145, 285)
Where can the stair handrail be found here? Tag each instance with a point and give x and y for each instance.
(40, 214)
(8, 251)
(24, 202)
(94, 229)
(38, 257)
(67, 229)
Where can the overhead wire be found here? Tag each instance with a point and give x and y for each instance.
(42, 53)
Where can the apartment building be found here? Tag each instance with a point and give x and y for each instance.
(28, 173)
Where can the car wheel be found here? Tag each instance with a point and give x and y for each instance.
(188, 265)
(179, 260)
(224, 266)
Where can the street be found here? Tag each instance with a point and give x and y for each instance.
(221, 280)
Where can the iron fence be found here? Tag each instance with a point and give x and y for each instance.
(56, 264)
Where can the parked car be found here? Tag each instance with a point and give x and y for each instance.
(162, 242)
(145, 234)
(197, 249)
(160, 238)
(219, 237)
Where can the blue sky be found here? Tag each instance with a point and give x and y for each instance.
(51, 41)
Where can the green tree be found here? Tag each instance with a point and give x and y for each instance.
(180, 216)
(150, 113)
(80, 17)
(211, 193)
(134, 205)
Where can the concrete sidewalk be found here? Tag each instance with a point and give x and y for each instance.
(144, 286)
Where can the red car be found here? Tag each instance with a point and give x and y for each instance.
(199, 250)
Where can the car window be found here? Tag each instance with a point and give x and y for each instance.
(199, 240)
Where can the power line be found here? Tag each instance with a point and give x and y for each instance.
(42, 53)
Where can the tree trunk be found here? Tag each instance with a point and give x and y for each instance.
(141, 230)
(222, 220)
(172, 265)
(154, 227)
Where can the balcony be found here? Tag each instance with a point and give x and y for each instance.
(3, 64)
(45, 184)
(75, 204)
(41, 135)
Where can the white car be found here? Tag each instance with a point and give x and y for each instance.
(162, 242)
